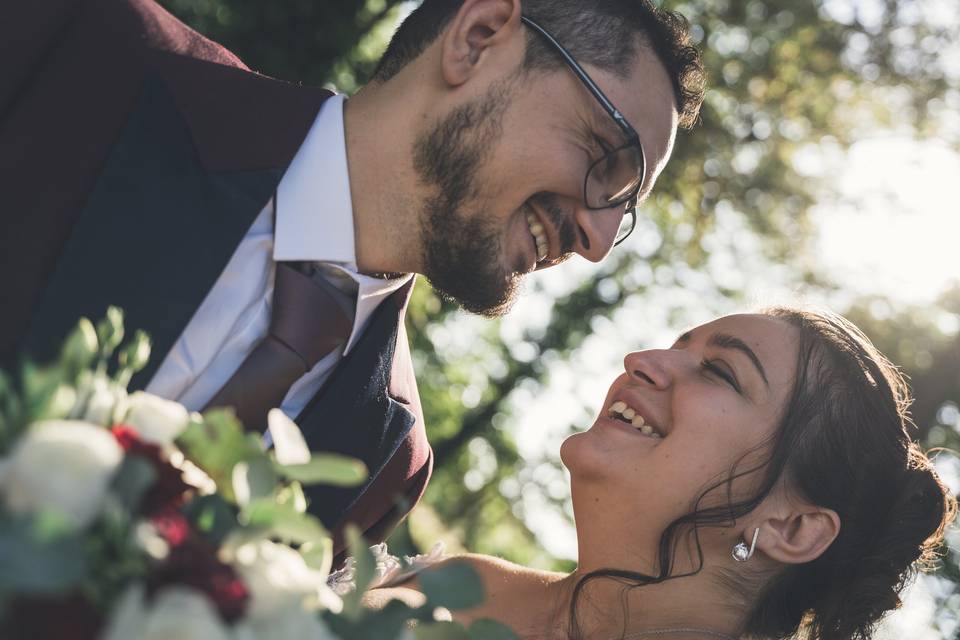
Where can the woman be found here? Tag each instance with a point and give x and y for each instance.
(755, 479)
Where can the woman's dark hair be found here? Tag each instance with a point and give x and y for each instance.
(598, 32)
(842, 443)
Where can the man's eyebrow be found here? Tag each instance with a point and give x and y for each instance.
(727, 341)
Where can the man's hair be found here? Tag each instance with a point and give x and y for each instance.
(602, 33)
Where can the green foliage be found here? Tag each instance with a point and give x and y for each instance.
(34, 562)
(455, 585)
(326, 468)
(216, 444)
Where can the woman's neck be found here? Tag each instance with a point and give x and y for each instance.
(608, 608)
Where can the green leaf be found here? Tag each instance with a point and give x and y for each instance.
(253, 479)
(212, 515)
(490, 629)
(318, 555)
(440, 631)
(293, 496)
(39, 388)
(364, 571)
(131, 482)
(326, 468)
(455, 585)
(217, 444)
(386, 624)
(31, 563)
(284, 522)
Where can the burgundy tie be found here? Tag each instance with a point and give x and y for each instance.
(307, 323)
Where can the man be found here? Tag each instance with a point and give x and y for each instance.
(265, 234)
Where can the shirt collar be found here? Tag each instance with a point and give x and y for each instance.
(314, 212)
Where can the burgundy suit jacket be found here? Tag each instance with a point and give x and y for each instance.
(134, 155)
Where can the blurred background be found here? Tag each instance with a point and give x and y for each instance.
(824, 171)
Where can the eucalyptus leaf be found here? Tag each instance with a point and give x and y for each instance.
(132, 480)
(38, 564)
(216, 444)
(212, 515)
(284, 522)
(318, 555)
(388, 623)
(253, 479)
(490, 629)
(365, 567)
(293, 496)
(440, 631)
(326, 468)
(39, 387)
(455, 585)
(288, 443)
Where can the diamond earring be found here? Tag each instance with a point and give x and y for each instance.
(740, 551)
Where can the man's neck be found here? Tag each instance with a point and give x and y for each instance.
(382, 182)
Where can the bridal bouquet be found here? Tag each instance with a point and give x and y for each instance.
(126, 517)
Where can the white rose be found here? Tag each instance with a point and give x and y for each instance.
(158, 421)
(281, 582)
(102, 401)
(61, 465)
(175, 613)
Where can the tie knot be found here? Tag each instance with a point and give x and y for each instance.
(307, 316)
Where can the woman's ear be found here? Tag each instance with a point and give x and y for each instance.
(477, 26)
(800, 534)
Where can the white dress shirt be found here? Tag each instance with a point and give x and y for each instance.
(314, 223)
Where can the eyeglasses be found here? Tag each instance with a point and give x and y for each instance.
(616, 177)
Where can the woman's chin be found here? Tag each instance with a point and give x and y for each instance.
(586, 456)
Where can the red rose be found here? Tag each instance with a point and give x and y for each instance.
(193, 562)
(168, 488)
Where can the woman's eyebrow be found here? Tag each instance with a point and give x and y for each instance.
(727, 341)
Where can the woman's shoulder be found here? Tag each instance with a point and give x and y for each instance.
(495, 571)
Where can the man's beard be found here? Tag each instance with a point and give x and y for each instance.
(463, 249)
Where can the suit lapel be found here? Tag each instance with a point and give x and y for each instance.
(361, 411)
(154, 234)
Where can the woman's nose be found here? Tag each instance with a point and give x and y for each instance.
(653, 367)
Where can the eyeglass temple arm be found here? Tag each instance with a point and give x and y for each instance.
(584, 78)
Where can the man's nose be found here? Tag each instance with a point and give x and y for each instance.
(596, 230)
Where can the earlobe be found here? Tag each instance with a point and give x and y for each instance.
(800, 536)
(477, 26)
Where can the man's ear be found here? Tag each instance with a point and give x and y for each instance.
(477, 26)
(798, 535)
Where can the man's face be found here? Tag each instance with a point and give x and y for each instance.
(506, 171)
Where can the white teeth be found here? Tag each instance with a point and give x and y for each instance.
(539, 237)
(630, 415)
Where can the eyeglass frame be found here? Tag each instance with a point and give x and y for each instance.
(631, 134)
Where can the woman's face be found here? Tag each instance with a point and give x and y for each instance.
(710, 398)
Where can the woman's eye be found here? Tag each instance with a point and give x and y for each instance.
(721, 373)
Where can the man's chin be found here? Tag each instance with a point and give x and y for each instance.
(484, 300)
